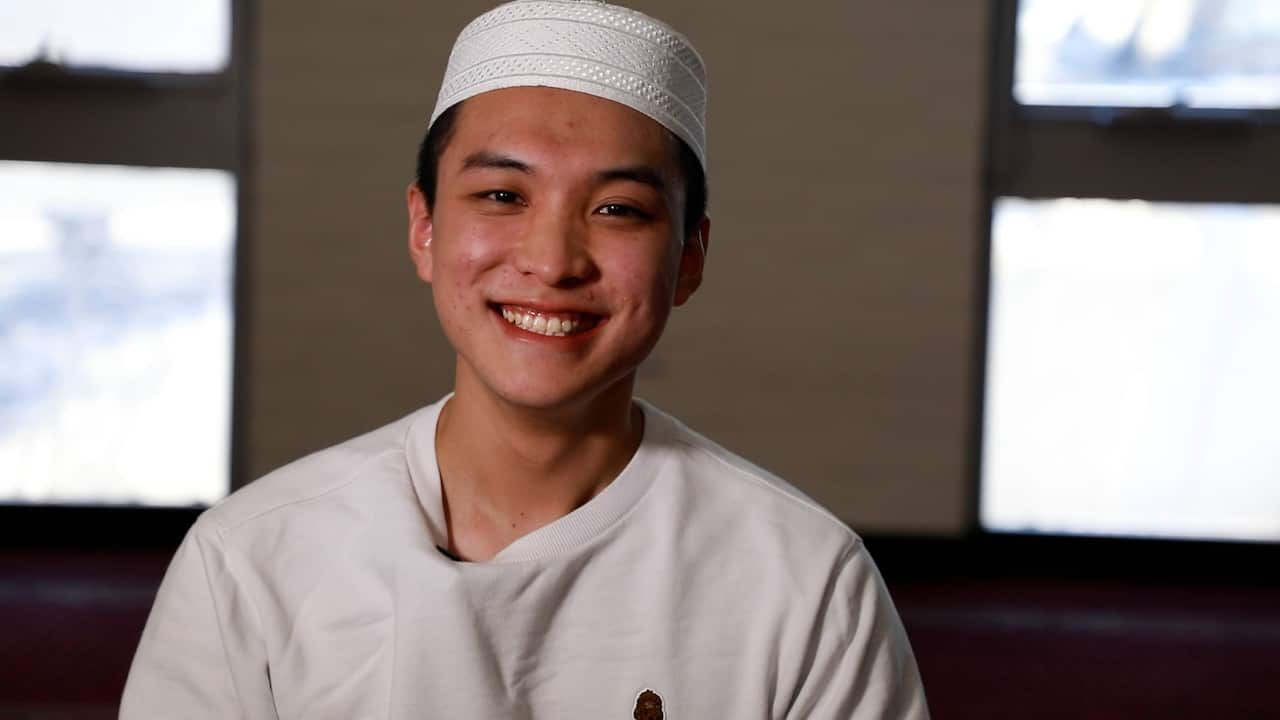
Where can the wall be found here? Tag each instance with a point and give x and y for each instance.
(832, 341)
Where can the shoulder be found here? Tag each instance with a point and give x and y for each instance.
(324, 475)
(756, 506)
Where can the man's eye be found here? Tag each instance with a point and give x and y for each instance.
(502, 196)
(620, 210)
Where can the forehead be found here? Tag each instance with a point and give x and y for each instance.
(562, 124)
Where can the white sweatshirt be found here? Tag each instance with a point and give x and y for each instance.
(319, 592)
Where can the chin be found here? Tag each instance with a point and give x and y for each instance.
(565, 397)
(529, 376)
(553, 389)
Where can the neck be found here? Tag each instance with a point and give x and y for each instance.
(507, 470)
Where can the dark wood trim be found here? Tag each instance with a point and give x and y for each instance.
(989, 556)
(91, 527)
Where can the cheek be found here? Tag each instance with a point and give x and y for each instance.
(641, 280)
(468, 252)
(465, 256)
(649, 282)
(479, 246)
(665, 272)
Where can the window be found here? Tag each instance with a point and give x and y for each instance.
(1141, 53)
(144, 36)
(116, 304)
(121, 151)
(1133, 309)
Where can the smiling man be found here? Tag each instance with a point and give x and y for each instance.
(555, 243)
(538, 544)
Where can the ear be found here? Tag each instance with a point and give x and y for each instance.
(420, 229)
(693, 258)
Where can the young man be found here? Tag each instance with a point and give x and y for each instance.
(538, 544)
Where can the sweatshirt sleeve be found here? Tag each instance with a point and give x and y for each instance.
(860, 664)
(201, 654)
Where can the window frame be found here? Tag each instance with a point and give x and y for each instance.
(1122, 153)
(146, 120)
(1047, 152)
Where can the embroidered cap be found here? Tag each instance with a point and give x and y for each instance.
(589, 46)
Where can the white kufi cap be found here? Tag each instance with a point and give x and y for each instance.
(585, 45)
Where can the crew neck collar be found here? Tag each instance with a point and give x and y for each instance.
(561, 536)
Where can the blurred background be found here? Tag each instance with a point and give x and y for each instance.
(997, 282)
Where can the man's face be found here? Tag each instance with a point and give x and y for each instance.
(554, 249)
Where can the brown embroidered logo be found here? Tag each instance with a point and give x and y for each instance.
(648, 706)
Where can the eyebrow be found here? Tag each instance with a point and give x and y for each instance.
(492, 161)
(642, 174)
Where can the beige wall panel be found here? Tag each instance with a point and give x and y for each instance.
(832, 341)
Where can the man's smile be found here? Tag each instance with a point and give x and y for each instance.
(549, 323)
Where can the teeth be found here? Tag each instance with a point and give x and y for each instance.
(543, 325)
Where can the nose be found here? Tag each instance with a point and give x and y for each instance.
(555, 251)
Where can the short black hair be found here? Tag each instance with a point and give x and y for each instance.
(438, 135)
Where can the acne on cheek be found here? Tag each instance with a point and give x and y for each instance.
(469, 261)
(477, 249)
